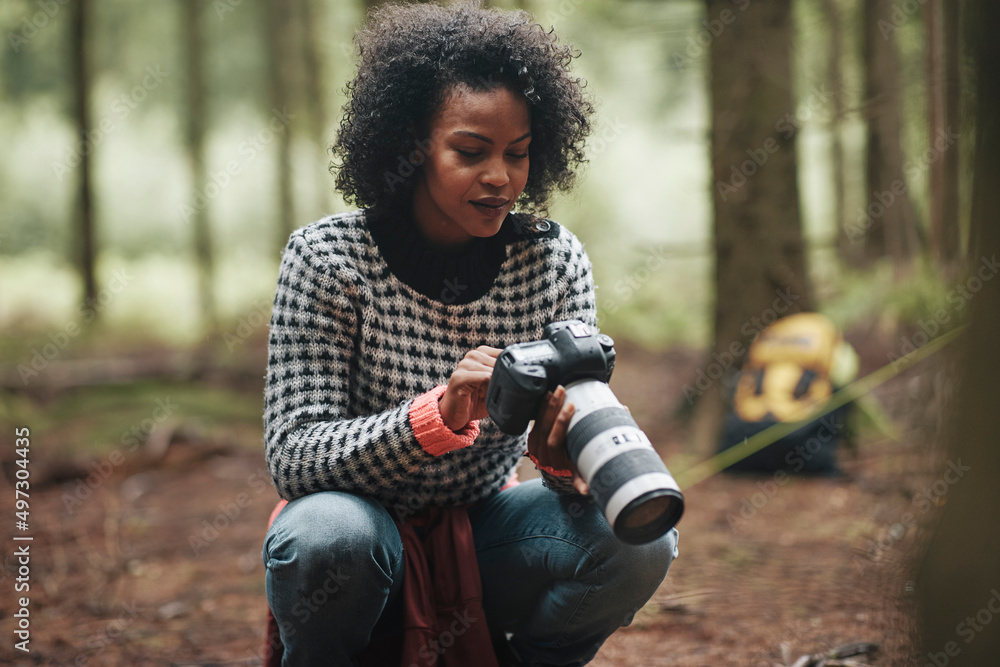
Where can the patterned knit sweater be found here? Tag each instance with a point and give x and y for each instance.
(358, 357)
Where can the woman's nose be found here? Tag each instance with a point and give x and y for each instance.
(495, 173)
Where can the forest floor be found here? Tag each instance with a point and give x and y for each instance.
(159, 563)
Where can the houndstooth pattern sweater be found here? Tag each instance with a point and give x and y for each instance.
(357, 360)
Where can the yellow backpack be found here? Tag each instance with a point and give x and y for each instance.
(791, 368)
(787, 371)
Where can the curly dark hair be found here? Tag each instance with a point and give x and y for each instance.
(411, 57)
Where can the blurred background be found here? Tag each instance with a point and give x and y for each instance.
(747, 156)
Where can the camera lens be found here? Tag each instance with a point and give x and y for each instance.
(627, 478)
(649, 516)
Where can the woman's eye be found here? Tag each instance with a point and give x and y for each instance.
(519, 156)
(467, 153)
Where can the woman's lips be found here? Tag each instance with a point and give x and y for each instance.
(491, 205)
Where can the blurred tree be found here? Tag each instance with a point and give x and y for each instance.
(312, 68)
(890, 217)
(959, 578)
(760, 261)
(944, 95)
(86, 249)
(195, 120)
(848, 252)
(278, 18)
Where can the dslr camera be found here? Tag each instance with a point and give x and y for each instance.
(627, 478)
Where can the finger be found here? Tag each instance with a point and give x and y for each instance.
(579, 483)
(560, 426)
(556, 446)
(468, 381)
(490, 351)
(480, 359)
(538, 437)
(556, 441)
(550, 411)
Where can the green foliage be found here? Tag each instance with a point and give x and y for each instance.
(880, 294)
(99, 419)
(647, 186)
(34, 52)
(659, 299)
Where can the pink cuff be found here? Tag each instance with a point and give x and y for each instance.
(548, 469)
(430, 430)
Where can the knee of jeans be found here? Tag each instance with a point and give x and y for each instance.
(332, 528)
(646, 565)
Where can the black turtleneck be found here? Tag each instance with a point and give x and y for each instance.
(449, 277)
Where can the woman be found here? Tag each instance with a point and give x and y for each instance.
(387, 322)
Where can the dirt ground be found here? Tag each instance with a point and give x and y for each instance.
(161, 565)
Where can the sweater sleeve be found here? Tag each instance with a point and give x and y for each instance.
(311, 443)
(577, 303)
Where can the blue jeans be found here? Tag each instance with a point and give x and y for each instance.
(554, 575)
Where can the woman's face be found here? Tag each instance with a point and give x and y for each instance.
(476, 165)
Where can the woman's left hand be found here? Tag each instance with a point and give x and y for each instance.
(547, 440)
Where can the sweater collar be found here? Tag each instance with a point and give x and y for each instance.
(451, 278)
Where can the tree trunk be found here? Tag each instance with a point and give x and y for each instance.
(314, 98)
(889, 217)
(204, 255)
(848, 252)
(959, 580)
(760, 254)
(943, 88)
(278, 22)
(86, 249)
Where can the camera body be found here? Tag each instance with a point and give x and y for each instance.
(627, 478)
(568, 351)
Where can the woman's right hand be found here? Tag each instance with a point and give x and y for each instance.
(465, 398)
